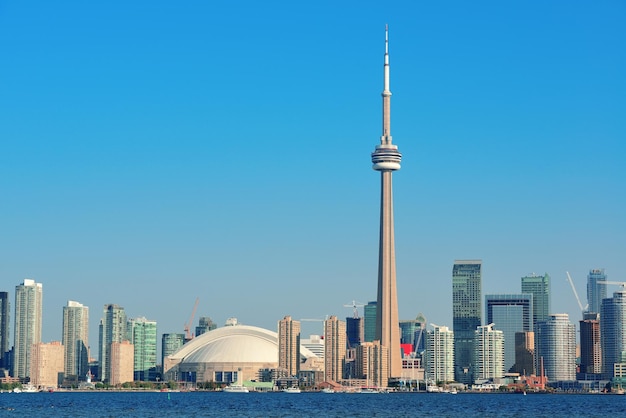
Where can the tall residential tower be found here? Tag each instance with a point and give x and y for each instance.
(386, 159)
(76, 339)
(289, 345)
(112, 329)
(4, 329)
(28, 310)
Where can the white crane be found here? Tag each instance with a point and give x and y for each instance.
(355, 305)
(622, 284)
(571, 283)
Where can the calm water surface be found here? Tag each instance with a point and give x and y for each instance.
(211, 404)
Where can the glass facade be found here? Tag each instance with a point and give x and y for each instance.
(613, 331)
(411, 333)
(28, 311)
(76, 339)
(205, 324)
(355, 330)
(4, 329)
(539, 287)
(369, 328)
(171, 343)
(596, 291)
(112, 330)
(510, 314)
(142, 334)
(556, 344)
(466, 315)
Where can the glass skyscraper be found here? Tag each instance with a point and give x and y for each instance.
(205, 324)
(170, 343)
(556, 344)
(510, 314)
(355, 331)
(466, 315)
(411, 332)
(112, 330)
(28, 311)
(596, 291)
(539, 287)
(613, 331)
(142, 333)
(4, 329)
(369, 327)
(76, 339)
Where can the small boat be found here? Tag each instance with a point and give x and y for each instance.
(328, 390)
(369, 390)
(292, 389)
(28, 388)
(236, 389)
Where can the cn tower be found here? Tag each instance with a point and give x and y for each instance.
(386, 159)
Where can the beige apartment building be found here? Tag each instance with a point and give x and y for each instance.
(122, 363)
(46, 364)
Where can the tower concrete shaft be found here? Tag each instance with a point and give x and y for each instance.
(386, 159)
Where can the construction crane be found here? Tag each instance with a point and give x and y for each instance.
(571, 283)
(355, 305)
(622, 284)
(188, 333)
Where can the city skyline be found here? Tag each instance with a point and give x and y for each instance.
(122, 175)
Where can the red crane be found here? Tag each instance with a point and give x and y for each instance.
(188, 333)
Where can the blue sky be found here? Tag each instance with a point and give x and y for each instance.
(155, 152)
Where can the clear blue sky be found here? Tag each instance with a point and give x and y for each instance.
(152, 152)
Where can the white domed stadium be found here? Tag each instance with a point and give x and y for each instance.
(215, 355)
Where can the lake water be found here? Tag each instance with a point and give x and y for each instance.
(212, 404)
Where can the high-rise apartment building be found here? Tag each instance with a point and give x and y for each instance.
(170, 343)
(112, 329)
(466, 315)
(205, 324)
(5, 322)
(386, 159)
(510, 314)
(28, 320)
(539, 287)
(613, 332)
(439, 354)
(488, 353)
(76, 339)
(590, 344)
(334, 348)
(596, 290)
(369, 326)
(289, 345)
(371, 363)
(46, 364)
(555, 340)
(122, 362)
(142, 334)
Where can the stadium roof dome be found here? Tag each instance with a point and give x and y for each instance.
(234, 344)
